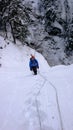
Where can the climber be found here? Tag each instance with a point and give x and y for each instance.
(33, 64)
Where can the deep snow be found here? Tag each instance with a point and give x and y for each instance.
(28, 102)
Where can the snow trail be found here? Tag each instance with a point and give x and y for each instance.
(34, 102)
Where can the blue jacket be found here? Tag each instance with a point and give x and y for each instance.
(33, 63)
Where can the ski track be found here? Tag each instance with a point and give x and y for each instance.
(33, 108)
(29, 102)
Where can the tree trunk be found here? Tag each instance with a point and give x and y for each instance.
(5, 31)
(12, 30)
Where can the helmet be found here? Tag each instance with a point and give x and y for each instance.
(32, 56)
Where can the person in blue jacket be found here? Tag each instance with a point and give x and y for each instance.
(33, 64)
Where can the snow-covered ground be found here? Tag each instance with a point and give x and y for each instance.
(29, 102)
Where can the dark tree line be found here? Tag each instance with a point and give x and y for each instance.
(15, 15)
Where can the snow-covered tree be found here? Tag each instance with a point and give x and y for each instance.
(16, 14)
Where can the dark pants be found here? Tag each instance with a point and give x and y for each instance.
(34, 70)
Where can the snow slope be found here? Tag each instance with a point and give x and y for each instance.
(28, 102)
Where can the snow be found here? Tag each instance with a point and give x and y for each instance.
(33, 102)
